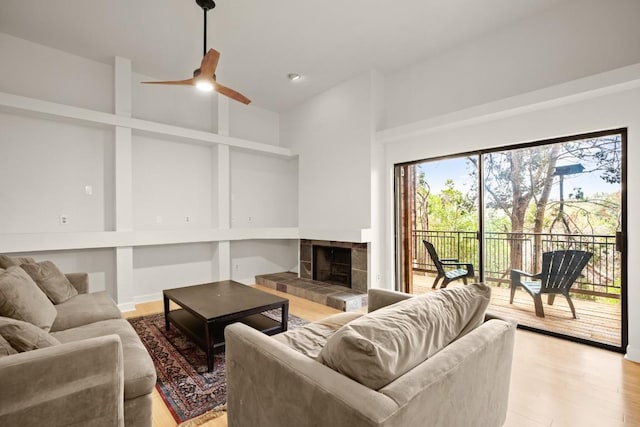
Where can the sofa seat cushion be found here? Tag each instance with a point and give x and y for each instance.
(382, 345)
(22, 299)
(84, 309)
(312, 337)
(139, 371)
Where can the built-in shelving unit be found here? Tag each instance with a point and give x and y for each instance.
(120, 234)
(27, 242)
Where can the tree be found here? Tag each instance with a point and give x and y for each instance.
(452, 210)
(515, 178)
(423, 190)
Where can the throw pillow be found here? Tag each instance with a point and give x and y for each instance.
(380, 346)
(5, 347)
(23, 336)
(51, 280)
(6, 262)
(22, 299)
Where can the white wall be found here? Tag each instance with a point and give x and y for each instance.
(332, 135)
(171, 266)
(171, 180)
(251, 257)
(37, 71)
(254, 123)
(45, 166)
(264, 190)
(574, 40)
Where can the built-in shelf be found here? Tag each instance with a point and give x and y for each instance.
(16, 103)
(34, 242)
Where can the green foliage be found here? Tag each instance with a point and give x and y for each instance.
(452, 210)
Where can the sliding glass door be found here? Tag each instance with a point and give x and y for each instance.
(512, 214)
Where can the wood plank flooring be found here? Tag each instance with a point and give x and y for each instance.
(554, 382)
(596, 321)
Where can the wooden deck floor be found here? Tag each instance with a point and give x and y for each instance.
(598, 322)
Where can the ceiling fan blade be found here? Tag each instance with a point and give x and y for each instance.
(172, 82)
(231, 93)
(210, 63)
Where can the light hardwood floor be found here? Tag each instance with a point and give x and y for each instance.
(553, 383)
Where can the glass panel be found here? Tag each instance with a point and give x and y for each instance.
(550, 198)
(445, 214)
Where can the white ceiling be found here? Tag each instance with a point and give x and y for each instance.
(262, 41)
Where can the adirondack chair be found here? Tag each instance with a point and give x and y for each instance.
(450, 275)
(560, 269)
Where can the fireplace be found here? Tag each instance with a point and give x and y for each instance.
(343, 263)
(332, 265)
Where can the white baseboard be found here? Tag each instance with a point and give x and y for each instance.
(156, 296)
(633, 354)
(131, 306)
(127, 306)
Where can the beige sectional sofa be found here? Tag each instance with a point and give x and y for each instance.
(437, 360)
(89, 368)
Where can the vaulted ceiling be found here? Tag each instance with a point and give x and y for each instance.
(262, 41)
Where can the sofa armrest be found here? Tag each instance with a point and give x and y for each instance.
(379, 298)
(76, 383)
(80, 281)
(270, 384)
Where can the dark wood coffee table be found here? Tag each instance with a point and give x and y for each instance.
(208, 308)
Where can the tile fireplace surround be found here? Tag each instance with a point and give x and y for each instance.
(333, 295)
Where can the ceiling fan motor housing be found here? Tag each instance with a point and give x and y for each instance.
(197, 72)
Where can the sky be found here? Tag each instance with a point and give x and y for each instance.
(438, 171)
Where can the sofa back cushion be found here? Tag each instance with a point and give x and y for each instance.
(51, 280)
(21, 299)
(6, 261)
(23, 336)
(380, 346)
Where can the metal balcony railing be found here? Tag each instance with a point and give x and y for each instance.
(601, 277)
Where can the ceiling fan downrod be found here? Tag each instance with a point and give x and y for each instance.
(206, 6)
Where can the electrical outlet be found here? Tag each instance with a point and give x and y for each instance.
(187, 219)
(88, 190)
(236, 266)
(64, 219)
(250, 219)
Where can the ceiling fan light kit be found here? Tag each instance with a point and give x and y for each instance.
(204, 85)
(204, 78)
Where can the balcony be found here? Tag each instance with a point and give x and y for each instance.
(596, 294)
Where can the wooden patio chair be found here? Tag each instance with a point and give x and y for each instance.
(560, 269)
(444, 263)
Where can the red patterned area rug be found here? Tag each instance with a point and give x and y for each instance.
(183, 381)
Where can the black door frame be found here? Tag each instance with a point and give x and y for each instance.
(624, 339)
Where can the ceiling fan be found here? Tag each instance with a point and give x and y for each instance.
(204, 78)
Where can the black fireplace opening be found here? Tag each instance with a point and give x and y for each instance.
(332, 265)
